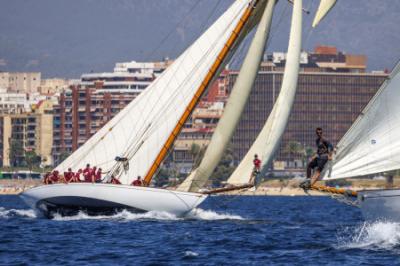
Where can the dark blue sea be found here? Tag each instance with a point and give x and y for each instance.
(223, 231)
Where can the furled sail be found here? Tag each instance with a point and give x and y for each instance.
(372, 144)
(323, 9)
(142, 130)
(234, 107)
(269, 138)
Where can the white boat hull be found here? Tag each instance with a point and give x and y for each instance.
(67, 199)
(380, 204)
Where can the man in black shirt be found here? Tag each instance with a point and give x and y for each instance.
(318, 161)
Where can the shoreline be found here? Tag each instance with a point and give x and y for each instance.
(17, 186)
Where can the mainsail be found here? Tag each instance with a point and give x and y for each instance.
(372, 144)
(144, 130)
(323, 9)
(269, 138)
(234, 107)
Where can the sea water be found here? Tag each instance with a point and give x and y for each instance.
(236, 230)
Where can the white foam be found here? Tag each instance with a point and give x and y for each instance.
(123, 215)
(29, 213)
(208, 215)
(197, 214)
(191, 254)
(376, 235)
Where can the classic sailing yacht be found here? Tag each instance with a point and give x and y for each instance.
(137, 140)
(268, 139)
(371, 146)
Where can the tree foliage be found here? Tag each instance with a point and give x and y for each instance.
(16, 152)
(225, 167)
(32, 159)
(294, 148)
(164, 176)
(64, 155)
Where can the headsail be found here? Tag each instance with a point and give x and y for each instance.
(323, 9)
(141, 130)
(234, 107)
(372, 144)
(269, 138)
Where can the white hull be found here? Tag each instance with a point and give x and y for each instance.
(102, 198)
(380, 204)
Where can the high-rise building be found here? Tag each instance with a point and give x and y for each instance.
(84, 108)
(22, 82)
(53, 86)
(333, 88)
(26, 131)
(129, 76)
(80, 113)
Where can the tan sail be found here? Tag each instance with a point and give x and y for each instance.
(269, 138)
(323, 9)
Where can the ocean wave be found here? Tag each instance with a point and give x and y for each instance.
(26, 213)
(375, 235)
(124, 215)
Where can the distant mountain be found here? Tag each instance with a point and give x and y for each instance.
(66, 38)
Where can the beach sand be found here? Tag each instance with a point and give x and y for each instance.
(16, 186)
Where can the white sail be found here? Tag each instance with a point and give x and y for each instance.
(269, 138)
(372, 144)
(323, 9)
(234, 107)
(140, 131)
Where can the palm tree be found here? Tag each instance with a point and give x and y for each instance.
(294, 148)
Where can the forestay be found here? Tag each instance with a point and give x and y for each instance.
(269, 138)
(141, 129)
(372, 144)
(234, 107)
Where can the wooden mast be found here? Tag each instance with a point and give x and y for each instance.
(211, 73)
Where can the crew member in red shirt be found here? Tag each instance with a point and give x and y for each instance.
(69, 175)
(98, 175)
(257, 164)
(115, 181)
(77, 176)
(137, 182)
(92, 174)
(47, 178)
(55, 177)
(86, 173)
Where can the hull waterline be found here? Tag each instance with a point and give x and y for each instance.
(381, 204)
(68, 199)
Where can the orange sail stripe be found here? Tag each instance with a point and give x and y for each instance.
(211, 73)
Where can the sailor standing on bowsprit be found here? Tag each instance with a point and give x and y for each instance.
(318, 161)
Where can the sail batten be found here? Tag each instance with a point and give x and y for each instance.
(268, 139)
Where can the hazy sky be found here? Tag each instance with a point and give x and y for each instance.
(65, 38)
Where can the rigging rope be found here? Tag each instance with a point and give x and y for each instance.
(146, 118)
(195, 68)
